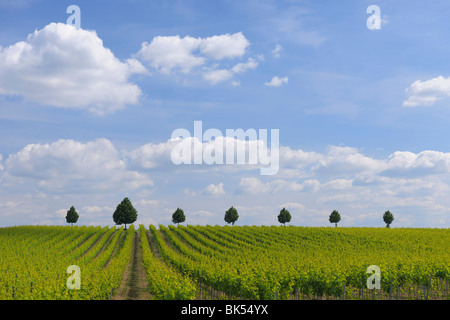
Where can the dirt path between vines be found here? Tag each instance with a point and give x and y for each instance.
(134, 283)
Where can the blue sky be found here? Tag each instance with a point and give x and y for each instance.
(86, 115)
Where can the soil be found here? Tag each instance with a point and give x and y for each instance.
(134, 284)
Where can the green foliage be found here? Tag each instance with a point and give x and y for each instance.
(335, 217)
(284, 216)
(125, 213)
(231, 215)
(178, 216)
(35, 259)
(164, 282)
(72, 216)
(388, 218)
(258, 262)
(246, 262)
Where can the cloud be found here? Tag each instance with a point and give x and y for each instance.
(299, 158)
(277, 82)
(216, 76)
(423, 163)
(344, 161)
(145, 202)
(254, 185)
(151, 155)
(10, 204)
(61, 66)
(342, 166)
(94, 209)
(339, 184)
(337, 162)
(348, 162)
(203, 213)
(244, 66)
(214, 189)
(169, 53)
(95, 174)
(292, 205)
(219, 75)
(173, 54)
(68, 165)
(276, 51)
(182, 153)
(426, 93)
(166, 53)
(343, 169)
(224, 46)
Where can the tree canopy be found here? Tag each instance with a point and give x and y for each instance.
(335, 217)
(284, 216)
(231, 216)
(72, 216)
(178, 216)
(388, 217)
(125, 213)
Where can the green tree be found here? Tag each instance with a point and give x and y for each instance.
(231, 216)
(284, 216)
(125, 213)
(335, 217)
(178, 216)
(388, 217)
(72, 216)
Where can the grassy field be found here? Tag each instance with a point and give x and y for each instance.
(222, 262)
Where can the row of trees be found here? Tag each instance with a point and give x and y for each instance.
(335, 217)
(125, 214)
(231, 216)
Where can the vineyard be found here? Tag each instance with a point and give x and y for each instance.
(34, 261)
(223, 262)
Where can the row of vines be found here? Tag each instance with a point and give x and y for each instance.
(35, 259)
(283, 262)
(241, 262)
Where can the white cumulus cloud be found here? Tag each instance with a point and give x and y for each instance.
(277, 82)
(426, 93)
(276, 51)
(71, 165)
(168, 53)
(152, 155)
(224, 46)
(96, 209)
(244, 66)
(216, 76)
(310, 183)
(172, 54)
(214, 189)
(422, 163)
(64, 67)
